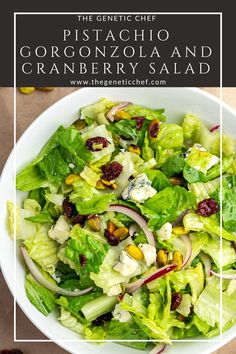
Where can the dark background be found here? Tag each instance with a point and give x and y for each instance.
(6, 24)
(184, 30)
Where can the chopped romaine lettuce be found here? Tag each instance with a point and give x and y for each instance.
(174, 165)
(96, 205)
(195, 222)
(130, 162)
(42, 298)
(129, 331)
(124, 128)
(69, 321)
(90, 176)
(170, 136)
(137, 111)
(83, 244)
(42, 249)
(169, 204)
(23, 228)
(97, 111)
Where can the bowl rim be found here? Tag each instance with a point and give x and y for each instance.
(199, 91)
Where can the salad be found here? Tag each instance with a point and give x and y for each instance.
(120, 230)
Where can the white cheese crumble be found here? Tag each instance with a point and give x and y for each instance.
(115, 290)
(212, 159)
(165, 231)
(149, 253)
(121, 315)
(139, 189)
(126, 265)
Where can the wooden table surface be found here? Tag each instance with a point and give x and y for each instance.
(28, 108)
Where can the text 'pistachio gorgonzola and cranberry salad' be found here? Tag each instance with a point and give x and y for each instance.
(120, 230)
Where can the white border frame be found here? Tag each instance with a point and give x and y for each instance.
(14, 173)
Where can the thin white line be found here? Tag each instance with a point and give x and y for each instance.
(14, 177)
(221, 156)
(14, 172)
(117, 340)
(116, 13)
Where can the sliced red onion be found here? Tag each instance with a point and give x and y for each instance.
(179, 218)
(206, 262)
(216, 127)
(158, 349)
(139, 219)
(188, 244)
(116, 109)
(132, 229)
(223, 276)
(44, 282)
(131, 287)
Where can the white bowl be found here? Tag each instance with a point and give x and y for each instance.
(177, 102)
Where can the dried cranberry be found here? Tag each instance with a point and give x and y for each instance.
(68, 207)
(78, 219)
(103, 318)
(96, 144)
(154, 128)
(11, 351)
(139, 122)
(112, 171)
(176, 299)
(112, 240)
(82, 260)
(207, 207)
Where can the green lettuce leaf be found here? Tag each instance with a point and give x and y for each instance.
(170, 136)
(42, 298)
(90, 176)
(228, 202)
(147, 151)
(97, 111)
(158, 179)
(168, 205)
(204, 190)
(82, 242)
(107, 277)
(71, 140)
(196, 132)
(130, 162)
(42, 218)
(30, 178)
(50, 145)
(126, 128)
(96, 205)
(43, 250)
(192, 276)
(207, 307)
(135, 111)
(95, 332)
(99, 306)
(38, 195)
(129, 331)
(195, 222)
(81, 191)
(174, 165)
(69, 321)
(54, 167)
(201, 241)
(17, 216)
(74, 304)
